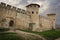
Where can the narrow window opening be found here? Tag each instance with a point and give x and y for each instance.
(36, 12)
(32, 12)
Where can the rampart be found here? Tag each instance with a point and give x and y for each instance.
(7, 6)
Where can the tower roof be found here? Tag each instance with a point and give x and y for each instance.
(51, 14)
(33, 4)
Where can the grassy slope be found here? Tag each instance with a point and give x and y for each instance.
(14, 36)
(10, 36)
(49, 35)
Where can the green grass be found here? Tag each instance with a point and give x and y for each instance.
(49, 35)
(14, 36)
(3, 29)
(9, 36)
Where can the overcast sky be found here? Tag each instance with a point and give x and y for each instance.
(47, 6)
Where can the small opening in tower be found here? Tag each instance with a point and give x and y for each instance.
(32, 12)
(36, 12)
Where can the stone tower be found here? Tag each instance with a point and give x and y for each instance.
(52, 16)
(33, 12)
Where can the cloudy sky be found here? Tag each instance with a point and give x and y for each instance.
(47, 6)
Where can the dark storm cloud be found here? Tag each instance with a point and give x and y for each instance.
(54, 7)
(23, 2)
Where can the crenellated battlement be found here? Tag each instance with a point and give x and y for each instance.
(2, 4)
(7, 6)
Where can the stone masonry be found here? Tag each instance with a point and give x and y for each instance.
(28, 19)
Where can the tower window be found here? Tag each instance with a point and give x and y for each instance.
(23, 13)
(32, 12)
(36, 12)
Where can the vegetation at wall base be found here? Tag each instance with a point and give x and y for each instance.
(3, 29)
(49, 35)
(10, 36)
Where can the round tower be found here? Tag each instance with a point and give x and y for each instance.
(33, 8)
(33, 11)
(52, 17)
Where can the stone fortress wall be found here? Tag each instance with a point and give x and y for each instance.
(30, 19)
(45, 23)
(40, 23)
(48, 22)
(17, 15)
